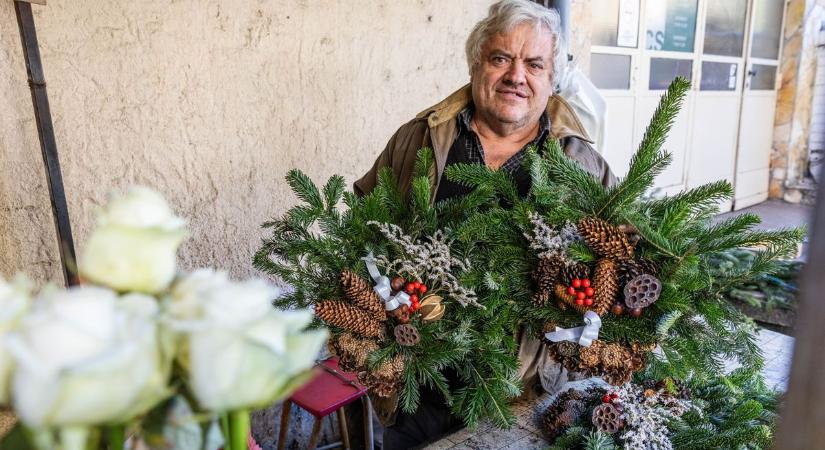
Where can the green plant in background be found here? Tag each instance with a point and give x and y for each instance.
(766, 291)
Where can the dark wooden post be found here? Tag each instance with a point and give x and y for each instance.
(48, 146)
(802, 421)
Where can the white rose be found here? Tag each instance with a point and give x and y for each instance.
(239, 350)
(14, 301)
(86, 357)
(135, 243)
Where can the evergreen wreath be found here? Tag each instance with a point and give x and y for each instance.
(452, 324)
(737, 411)
(638, 265)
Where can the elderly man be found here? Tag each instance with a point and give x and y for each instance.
(515, 56)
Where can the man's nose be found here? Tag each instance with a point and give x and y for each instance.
(515, 73)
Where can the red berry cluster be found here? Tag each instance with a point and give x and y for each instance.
(582, 291)
(414, 289)
(610, 398)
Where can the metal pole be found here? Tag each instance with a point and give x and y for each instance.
(48, 146)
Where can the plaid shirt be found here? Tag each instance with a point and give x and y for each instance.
(474, 150)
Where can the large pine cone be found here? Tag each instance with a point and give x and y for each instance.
(605, 239)
(352, 351)
(385, 380)
(565, 410)
(349, 317)
(606, 285)
(546, 272)
(361, 294)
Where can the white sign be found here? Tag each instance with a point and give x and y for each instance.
(628, 23)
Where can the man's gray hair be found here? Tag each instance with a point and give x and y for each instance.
(505, 15)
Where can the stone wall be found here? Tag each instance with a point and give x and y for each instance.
(789, 158)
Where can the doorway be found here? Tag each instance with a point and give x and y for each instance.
(730, 50)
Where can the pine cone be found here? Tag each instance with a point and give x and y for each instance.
(577, 270)
(546, 272)
(385, 380)
(352, 351)
(606, 284)
(605, 239)
(647, 266)
(362, 295)
(617, 377)
(591, 357)
(565, 410)
(628, 270)
(541, 298)
(349, 317)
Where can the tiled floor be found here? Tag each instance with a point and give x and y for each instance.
(525, 435)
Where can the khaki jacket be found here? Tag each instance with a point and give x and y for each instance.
(435, 127)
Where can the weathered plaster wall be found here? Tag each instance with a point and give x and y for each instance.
(211, 102)
(789, 158)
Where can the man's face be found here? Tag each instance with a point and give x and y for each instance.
(511, 84)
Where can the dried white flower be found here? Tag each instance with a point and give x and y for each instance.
(552, 242)
(646, 417)
(430, 259)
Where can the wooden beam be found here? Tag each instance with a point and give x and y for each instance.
(802, 420)
(48, 145)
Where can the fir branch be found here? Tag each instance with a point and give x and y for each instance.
(304, 188)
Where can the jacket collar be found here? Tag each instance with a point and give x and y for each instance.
(563, 120)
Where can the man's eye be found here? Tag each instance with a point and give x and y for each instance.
(536, 66)
(499, 59)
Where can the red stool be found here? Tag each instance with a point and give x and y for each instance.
(328, 393)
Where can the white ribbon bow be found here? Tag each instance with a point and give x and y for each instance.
(382, 287)
(584, 335)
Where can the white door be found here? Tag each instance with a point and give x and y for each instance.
(758, 103)
(715, 125)
(725, 128)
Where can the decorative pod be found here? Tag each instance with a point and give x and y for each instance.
(607, 418)
(407, 335)
(431, 308)
(642, 291)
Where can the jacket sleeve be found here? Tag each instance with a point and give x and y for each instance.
(590, 160)
(366, 183)
(399, 155)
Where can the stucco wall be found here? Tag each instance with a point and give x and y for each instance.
(211, 102)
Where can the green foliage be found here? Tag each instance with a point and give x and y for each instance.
(313, 242)
(678, 234)
(768, 290)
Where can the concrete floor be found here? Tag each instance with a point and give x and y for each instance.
(776, 347)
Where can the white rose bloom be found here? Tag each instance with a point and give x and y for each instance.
(15, 298)
(239, 350)
(135, 243)
(86, 357)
